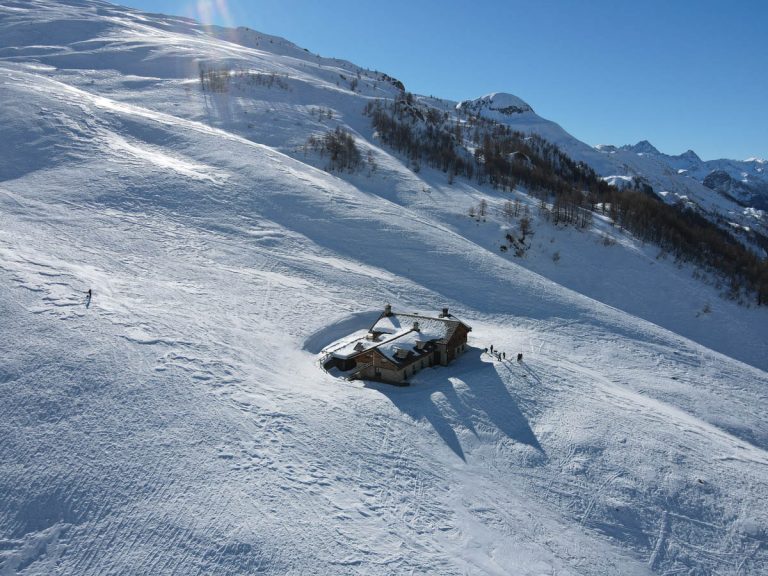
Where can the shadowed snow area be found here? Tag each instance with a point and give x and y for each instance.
(178, 422)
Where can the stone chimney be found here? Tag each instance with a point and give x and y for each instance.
(388, 310)
(445, 313)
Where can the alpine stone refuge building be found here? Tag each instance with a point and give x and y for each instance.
(398, 345)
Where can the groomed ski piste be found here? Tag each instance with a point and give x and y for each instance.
(180, 423)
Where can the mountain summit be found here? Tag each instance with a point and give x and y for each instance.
(493, 106)
(642, 147)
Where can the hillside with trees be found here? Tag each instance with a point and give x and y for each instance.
(469, 146)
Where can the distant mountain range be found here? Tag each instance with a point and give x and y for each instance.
(745, 182)
(731, 192)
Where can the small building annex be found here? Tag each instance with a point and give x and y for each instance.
(398, 345)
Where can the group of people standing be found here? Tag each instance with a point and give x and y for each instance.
(501, 356)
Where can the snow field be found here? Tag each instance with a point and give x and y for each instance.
(180, 424)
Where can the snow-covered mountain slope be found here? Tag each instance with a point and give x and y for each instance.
(736, 201)
(745, 181)
(179, 423)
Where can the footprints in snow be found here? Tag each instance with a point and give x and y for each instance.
(62, 296)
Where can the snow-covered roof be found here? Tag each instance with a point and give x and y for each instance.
(355, 347)
(398, 331)
(387, 343)
(430, 327)
(407, 342)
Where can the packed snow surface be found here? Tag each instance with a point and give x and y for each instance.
(178, 421)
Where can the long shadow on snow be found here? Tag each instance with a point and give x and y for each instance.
(357, 321)
(476, 394)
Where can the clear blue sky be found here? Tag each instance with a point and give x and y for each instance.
(680, 73)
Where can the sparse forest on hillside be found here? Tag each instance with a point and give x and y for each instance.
(221, 77)
(479, 149)
(340, 147)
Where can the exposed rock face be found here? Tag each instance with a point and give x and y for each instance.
(691, 156)
(719, 180)
(754, 194)
(642, 147)
(498, 102)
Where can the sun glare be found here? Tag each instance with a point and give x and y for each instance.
(212, 12)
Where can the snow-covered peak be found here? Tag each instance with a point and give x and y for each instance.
(642, 147)
(492, 105)
(691, 156)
